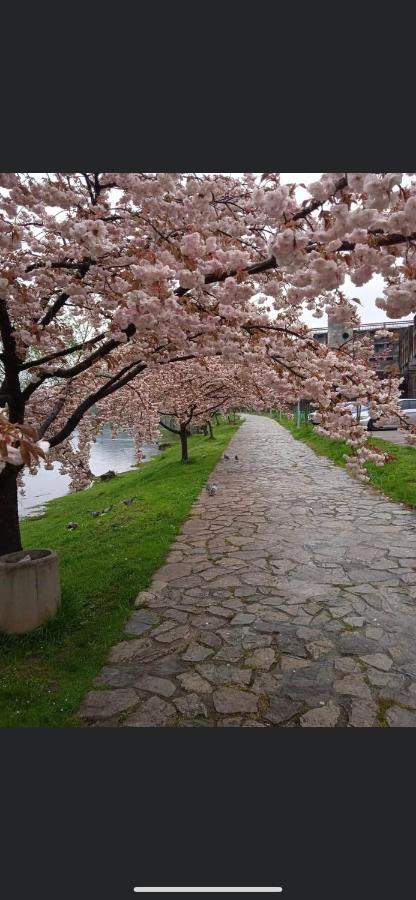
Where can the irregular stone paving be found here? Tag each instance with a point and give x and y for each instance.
(289, 599)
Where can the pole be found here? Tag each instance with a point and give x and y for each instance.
(298, 414)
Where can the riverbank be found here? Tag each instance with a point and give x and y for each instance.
(396, 479)
(105, 562)
(107, 452)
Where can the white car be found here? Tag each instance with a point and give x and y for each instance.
(407, 406)
(361, 413)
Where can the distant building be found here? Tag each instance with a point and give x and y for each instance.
(407, 359)
(390, 353)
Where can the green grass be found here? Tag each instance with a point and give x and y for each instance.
(104, 563)
(396, 479)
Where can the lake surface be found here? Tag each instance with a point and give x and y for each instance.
(107, 453)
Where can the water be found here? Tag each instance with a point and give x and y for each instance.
(107, 453)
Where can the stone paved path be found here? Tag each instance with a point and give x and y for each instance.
(289, 599)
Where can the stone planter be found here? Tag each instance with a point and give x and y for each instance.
(30, 591)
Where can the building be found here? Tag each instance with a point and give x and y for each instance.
(407, 359)
(390, 353)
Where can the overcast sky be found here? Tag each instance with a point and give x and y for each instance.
(368, 293)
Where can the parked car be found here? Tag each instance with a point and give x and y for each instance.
(407, 406)
(362, 413)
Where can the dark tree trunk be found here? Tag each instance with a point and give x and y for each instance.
(9, 519)
(184, 443)
(210, 431)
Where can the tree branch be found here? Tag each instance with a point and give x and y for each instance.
(191, 414)
(81, 366)
(122, 378)
(168, 428)
(53, 310)
(54, 412)
(63, 264)
(34, 363)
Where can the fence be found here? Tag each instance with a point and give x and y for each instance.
(299, 411)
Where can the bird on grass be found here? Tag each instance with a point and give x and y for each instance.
(129, 500)
(94, 514)
(72, 526)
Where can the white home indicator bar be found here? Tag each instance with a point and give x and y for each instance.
(208, 890)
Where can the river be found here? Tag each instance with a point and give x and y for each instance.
(116, 453)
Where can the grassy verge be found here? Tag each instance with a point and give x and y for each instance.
(104, 563)
(396, 479)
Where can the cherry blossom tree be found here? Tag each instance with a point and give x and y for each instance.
(108, 277)
(192, 392)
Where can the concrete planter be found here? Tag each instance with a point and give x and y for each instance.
(30, 591)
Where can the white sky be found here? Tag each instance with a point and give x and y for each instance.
(368, 293)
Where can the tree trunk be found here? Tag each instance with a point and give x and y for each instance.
(10, 540)
(211, 433)
(184, 443)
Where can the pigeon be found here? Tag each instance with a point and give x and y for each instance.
(72, 526)
(236, 457)
(94, 514)
(225, 456)
(107, 509)
(212, 489)
(128, 501)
